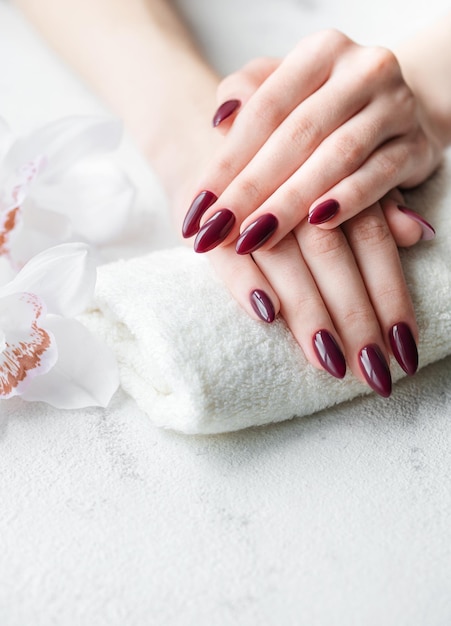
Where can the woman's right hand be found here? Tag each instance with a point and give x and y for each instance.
(341, 292)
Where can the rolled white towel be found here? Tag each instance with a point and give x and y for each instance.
(196, 363)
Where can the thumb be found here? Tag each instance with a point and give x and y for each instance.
(237, 88)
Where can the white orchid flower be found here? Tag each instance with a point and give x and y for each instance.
(46, 354)
(59, 184)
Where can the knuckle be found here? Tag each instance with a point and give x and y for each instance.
(388, 293)
(333, 37)
(303, 136)
(359, 192)
(389, 166)
(250, 189)
(330, 39)
(330, 243)
(349, 151)
(370, 230)
(266, 109)
(302, 303)
(381, 62)
(227, 166)
(359, 317)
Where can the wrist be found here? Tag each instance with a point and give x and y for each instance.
(425, 62)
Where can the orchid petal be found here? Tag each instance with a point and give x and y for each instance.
(40, 229)
(63, 276)
(64, 142)
(28, 349)
(97, 197)
(7, 273)
(10, 223)
(86, 373)
(15, 185)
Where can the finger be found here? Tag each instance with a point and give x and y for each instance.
(246, 283)
(267, 185)
(283, 202)
(406, 226)
(301, 305)
(340, 283)
(235, 90)
(265, 110)
(386, 168)
(315, 149)
(378, 259)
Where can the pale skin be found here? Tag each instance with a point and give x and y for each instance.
(376, 136)
(348, 281)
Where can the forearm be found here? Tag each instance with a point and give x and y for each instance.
(426, 64)
(141, 60)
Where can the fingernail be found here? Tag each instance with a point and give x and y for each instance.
(262, 305)
(329, 353)
(214, 230)
(375, 370)
(199, 205)
(323, 212)
(256, 234)
(225, 110)
(428, 230)
(404, 348)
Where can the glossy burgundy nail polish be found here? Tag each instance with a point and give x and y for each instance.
(256, 234)
(225, 110)
(375, 370)
(329, 353)
(323, 212)
(262, 305)
(214, 230)
(199, 205)
(428, 230)
(404, 348)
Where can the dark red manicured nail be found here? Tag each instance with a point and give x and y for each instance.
(256, 234)
(214, 230)
(263, 306)
(329, 354)
(323, 212)
(375, 369)
(199, 205)
(225, 110)
(428, 230)
(404, 348)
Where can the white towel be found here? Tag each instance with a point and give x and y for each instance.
(196, 363)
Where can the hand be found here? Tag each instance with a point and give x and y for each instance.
(341, 292)
(326, 133)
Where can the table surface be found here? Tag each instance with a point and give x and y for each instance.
(341, 518)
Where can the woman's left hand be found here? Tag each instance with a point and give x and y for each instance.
(324, 133)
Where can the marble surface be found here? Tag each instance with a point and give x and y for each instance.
(342, 518)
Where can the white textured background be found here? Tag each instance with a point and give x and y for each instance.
(343, 518)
